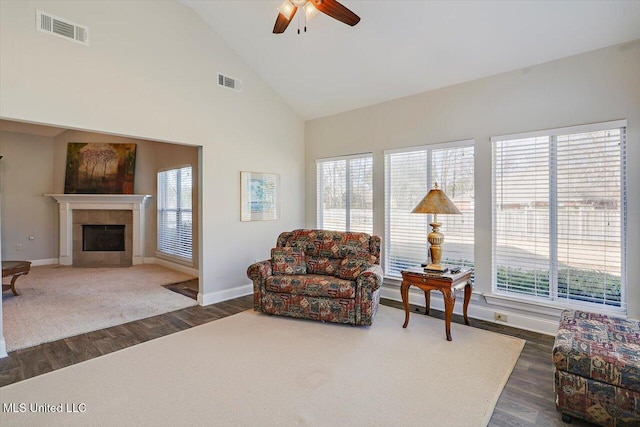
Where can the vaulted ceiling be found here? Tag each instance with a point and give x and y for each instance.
(400, 48)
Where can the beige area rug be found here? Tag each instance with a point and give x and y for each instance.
(255, 370)
(57, 302)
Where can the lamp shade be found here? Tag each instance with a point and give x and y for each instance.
(436, 202)
(286, 9)
(310, 11)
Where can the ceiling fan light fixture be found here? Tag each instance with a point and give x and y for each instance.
(286, 9)
(332, 8)
(310, 11)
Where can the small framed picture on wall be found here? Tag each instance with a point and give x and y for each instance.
(259, 196)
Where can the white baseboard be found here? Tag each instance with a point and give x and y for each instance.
(3, 348)
(476, 311)
(47, 261)
(172, 266)
(224, 295)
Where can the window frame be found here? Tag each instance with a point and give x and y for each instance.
(160, 209)
(429, 148)
(319, 192)
(553, 300)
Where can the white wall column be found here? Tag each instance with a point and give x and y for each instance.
(66, 234)
(138, 234)
(3, 344)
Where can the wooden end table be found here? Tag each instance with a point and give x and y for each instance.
(14, 269)
(446, 283)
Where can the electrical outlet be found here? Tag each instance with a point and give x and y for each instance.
(18, 246)
(500, 317)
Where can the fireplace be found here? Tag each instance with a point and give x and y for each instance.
(101, 210)
(102, 238)
(97, 238)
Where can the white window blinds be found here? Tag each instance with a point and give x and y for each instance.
(409, 174)
(453, 170)
(406, 183)
(345, 193)
(521, 229)
(175, 235)
(559, 216)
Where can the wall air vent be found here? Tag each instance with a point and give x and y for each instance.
(62, 28)
(229, 82)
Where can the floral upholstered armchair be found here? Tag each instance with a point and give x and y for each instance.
(322, 275)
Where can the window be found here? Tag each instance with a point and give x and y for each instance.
(175, 213)
(409, 175)
(345, 193)
(559, 215)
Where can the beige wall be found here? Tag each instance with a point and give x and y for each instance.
(144, 179)
(26, 173)
(155, 79)
(592, 87)
(151, 157)
(35, 165)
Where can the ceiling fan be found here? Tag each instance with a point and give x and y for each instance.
(288, 9)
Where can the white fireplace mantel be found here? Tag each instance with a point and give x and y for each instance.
(69, 202)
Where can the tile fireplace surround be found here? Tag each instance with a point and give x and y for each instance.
(100, 202)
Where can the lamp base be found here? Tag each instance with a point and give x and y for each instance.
(437, 268)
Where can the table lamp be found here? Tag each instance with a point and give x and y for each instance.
(436, 202)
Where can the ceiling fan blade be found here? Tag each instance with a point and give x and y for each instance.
(282, 23)
(336, 11)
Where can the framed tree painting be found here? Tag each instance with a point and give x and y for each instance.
(259, 196)
(100, 168)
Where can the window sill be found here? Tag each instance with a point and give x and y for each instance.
(176, 259)
(543, 307)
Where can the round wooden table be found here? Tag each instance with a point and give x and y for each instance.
(14, 269)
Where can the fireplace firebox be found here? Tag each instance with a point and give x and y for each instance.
(103, 238)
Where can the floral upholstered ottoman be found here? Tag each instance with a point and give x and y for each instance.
(597, 369)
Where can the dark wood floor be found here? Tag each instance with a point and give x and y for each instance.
(527, 399)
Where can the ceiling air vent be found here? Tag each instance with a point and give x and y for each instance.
(62, 28)
(229, 82)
